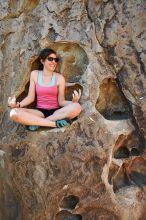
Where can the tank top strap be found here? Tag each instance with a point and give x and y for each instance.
(53, 81)
(57, 76)
(54, 78)
(40, 77)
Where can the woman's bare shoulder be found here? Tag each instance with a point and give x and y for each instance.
(59, 76)
(60, 79)
(34, 72)
(34, 75)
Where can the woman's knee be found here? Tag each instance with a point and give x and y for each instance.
(15, 114)
(77, 108)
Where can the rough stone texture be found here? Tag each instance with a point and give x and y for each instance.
(96, 168)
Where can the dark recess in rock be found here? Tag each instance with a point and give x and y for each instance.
(69, 202)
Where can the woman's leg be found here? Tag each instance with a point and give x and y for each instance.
(30, 117)
(69, 111)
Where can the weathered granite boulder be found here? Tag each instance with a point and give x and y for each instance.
(96, 168)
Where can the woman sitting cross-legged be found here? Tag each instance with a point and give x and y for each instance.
(52, 110)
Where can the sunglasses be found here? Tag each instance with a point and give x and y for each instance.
(52, 58)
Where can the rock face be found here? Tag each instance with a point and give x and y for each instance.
(96, 168)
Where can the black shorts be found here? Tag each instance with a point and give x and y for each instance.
(47, 112)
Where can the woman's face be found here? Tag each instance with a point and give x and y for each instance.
(51, 62)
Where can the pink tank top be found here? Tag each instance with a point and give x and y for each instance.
(47, 96)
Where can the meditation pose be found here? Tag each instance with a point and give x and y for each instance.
(48, 88)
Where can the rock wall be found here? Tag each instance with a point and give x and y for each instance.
(96, 168)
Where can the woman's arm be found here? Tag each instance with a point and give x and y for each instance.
(31, 92)
(61, 94)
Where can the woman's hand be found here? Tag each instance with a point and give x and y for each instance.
(12, 102)
(76, 96)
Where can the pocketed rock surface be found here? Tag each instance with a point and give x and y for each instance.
(96, 168)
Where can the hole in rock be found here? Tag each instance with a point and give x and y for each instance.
(127, 145)
(138, 178)
(23, 94)
(121, 179)
(72, 65)
(65, 215)
(52, 35)
(111, 102)
(131, 173)
(122, 152)
(69, 202)
(137, 171)
(74, 60)
(18, 152)
(134, 152)
(70, 89)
